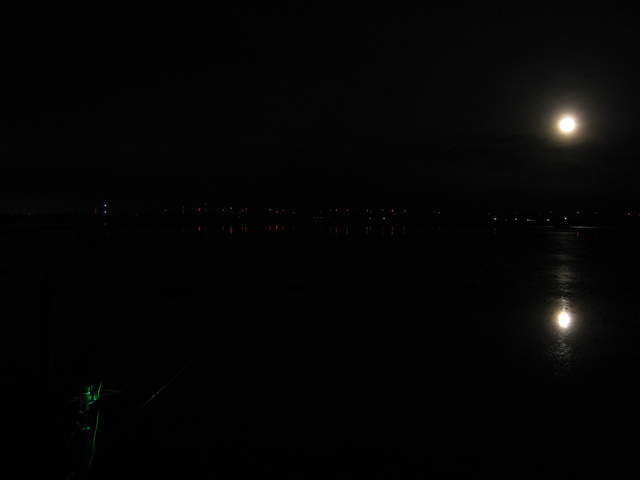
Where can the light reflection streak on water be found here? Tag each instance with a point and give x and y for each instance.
(562, 355)
(564, 321)
(561, 348)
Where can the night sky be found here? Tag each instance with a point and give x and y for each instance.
(292, 104)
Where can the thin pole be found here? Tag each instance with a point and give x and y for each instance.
(44, 332)
(163, 387)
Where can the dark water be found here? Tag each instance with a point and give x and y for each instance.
(315, 354)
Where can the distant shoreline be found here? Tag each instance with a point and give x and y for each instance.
(50, 221)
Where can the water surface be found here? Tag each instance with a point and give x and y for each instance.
(341, 350)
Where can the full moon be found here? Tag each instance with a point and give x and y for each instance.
(567, 125)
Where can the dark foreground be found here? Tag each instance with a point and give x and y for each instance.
(313, 355)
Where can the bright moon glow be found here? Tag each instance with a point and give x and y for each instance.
(564, 320)
(567, 125)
